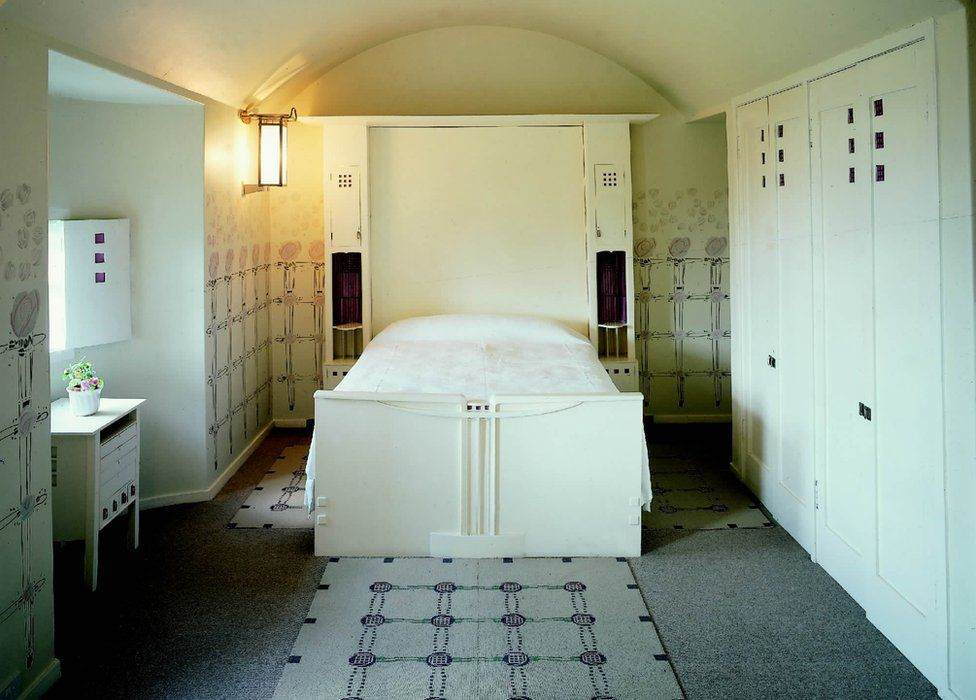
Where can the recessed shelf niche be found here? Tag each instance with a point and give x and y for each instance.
(612, 321)
(347, 305)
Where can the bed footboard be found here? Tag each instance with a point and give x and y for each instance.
(423, 474)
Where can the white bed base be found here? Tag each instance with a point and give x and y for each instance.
(435, 475)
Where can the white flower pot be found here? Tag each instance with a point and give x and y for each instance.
(84, 403)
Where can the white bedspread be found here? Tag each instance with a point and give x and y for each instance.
(479, 356)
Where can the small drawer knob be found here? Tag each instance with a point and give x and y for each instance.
(104, 513)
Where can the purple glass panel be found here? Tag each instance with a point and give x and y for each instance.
(99, 277)
(611, 281)
(99, 257)
(850, 115)
(347, 292)
(878, 108)
(99, 237)
(879, 139)
(879, 173)
(850, 145)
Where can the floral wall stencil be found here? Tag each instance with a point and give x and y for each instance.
(681, 273)
(26, 602)
(236, 301)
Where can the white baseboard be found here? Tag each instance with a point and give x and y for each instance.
(290, 422)
(44, 681)
(692, 417)
(207, 494)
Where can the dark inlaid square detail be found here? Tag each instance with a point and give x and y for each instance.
(447, 560)
(762, 135)
(388, 560)
(679, 527)
(323, 586)
(780, 155)
(850, 115)
(622, 559)
(99, 257)
(231, 525)
(245, 506)
(566, 560)
(879, 108)
(632, 586)
(879, 139)
(782, 180)
(850, 145)
(645, 618)
(259, 488)
(850, 174)
(763, 180)
(779, 130)
(732, 526)
(333, 559)
(99, 277)
(507, 560)
(99, 237)
(309, 620)
(661, 657)
(763, 155)
(267, 526)
(879, 173)
(294, 659)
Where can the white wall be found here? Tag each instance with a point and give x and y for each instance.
(957, 149)
(145, 163)
(681, 204)
(27, 661)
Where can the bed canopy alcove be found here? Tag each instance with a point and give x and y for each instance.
(508, 216)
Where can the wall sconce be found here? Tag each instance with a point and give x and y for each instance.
(272, 148)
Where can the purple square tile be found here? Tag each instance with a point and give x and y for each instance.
(99, 237)
(99, 277)
(99, 257)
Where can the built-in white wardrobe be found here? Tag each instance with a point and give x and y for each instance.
(838, 391)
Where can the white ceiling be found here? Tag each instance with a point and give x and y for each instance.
(697, 53)
(69, 77)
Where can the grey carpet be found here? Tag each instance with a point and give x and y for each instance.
(201, 610)
(279, 499)
(546, 629)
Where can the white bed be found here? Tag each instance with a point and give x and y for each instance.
(478, 435)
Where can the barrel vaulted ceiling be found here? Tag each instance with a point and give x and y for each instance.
(697, 53)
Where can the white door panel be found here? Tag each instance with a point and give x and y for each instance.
(881, 524)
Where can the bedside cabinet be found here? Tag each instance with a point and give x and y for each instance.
(94, 473)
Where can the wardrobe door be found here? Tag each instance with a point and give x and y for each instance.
(788, 493)
(907, 601)
(842, 226)
(761, 275)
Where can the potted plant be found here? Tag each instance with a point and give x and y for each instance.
(84, 388)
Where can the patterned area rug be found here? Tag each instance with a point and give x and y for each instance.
(539, 629)
(691, 494)
(279, 500)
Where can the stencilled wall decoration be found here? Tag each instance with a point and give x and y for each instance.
(298, 279)
(237, 303)
(24, 416)
(681, 274)
(299, 321)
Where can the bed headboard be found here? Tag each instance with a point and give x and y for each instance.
(477, 220)
(439, 215)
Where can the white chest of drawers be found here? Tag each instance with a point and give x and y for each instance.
(95, 473)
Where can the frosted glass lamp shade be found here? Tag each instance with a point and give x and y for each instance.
(273, 147)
